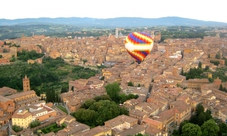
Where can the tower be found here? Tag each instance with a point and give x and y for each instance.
(152, 34)
(26, 84)
(116, 33)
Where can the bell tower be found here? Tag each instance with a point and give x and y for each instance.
(26, 84)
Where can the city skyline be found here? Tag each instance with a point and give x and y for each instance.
(207, 11)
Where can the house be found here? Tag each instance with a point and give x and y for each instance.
(140, 115)
(166, 117)
(148, 108)
(182, 111)
(7, 108)
(121, 123)
(222, 114)
(97, 131)
(136, 129)
(22, 118)
(5, 91)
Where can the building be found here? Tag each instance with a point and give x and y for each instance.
(26, 84)
(121, 123)
(195, 83)
(26, 97)
(22, 118)
(116, 32)
(97, 131)
(7, 108)
(23, 98)
(5, 91)
(41, 112)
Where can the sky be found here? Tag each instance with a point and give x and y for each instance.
(206, 10)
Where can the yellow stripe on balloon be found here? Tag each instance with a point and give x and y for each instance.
(138, 55)
(148, 39)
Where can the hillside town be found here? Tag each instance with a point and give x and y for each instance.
(166, 97)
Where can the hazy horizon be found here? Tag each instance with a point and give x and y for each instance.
(200, 10)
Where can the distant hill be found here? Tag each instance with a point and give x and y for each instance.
(113, 22)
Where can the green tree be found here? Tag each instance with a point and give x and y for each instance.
(201, 118)
(190, 129)
(200, 65)
(182, 71)
(210, 128)
(1, 56)
(102, 97)
(17, 128)
(64, 88)
(181, 125)
(130, 83)
(208, 115)
(35, 123)
(5, 50)
(223, 128)
(207, 68)
(218, 55)
(221, 87)
(113, 91)
(88, 103)
(199, 109)
(12, 59)
(194, 119)
(99, 112)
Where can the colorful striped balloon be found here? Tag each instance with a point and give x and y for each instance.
(139, 45)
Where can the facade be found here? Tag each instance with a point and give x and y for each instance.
(195, 83)
(5, 91)
(24, 98)
(26, 84)
(41, 112)
(98, 131)
(22, 118)
(7, 108)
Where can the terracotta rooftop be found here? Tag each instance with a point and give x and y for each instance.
(120, 120)
(20, 94)
(4, 99)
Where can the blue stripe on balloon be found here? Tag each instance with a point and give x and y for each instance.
(143, 33)
(136, 39)
(144, 53)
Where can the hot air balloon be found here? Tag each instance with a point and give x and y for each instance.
(139, 45)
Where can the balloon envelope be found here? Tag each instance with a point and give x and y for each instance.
(139, 45)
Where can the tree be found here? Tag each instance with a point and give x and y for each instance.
(17, 128)
(201, 118)
(218, 55)
(208, 55)
(190, 129)
(199, 109)
(130, 83)
(194, 119)
(1, 56)
(88, 103)
(207, 68)
(208, 115)
(5, 50)
(223, 128)
(182, 71)
(181, 125)
(12, 59)
(35, 123)
(113, 91)
(64, 89)
(210, 128)
(221, 87)
(200, 65)
(99, 112)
